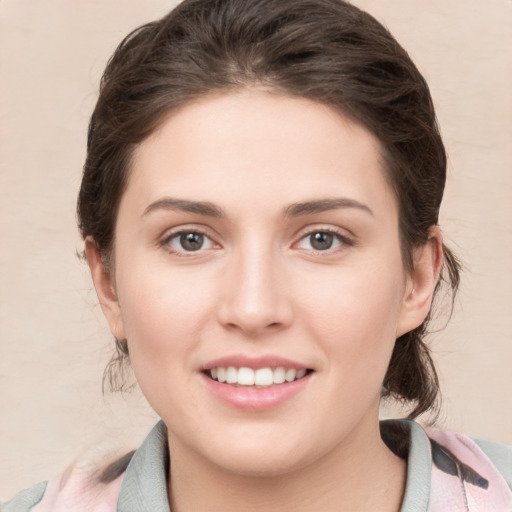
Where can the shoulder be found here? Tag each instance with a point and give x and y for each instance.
(500, 455)
(84, 486)
(480, 452)
(469, 472)
(105, 482)
(450, 471)
(26, 499)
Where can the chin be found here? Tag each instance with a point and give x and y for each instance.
(260, 459)
(262, 466)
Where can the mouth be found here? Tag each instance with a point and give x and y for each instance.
(256, 384)
(264, 377)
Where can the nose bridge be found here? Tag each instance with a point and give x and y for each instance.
(255, 299)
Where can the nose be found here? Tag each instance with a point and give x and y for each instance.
(255, 298)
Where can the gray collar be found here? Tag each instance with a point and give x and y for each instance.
(144, 486)
(419, 469)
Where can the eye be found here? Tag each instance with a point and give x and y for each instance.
(188, 241)
(322, 241)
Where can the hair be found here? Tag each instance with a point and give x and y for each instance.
(327, 51)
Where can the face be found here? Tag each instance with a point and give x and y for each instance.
(257, 242)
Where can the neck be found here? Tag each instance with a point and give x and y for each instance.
(361, 475)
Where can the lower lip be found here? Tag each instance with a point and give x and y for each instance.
(255, 399)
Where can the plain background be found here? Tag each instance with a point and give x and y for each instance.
(54, 342)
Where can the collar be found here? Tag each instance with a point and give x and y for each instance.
(408, 440)
(144, 485)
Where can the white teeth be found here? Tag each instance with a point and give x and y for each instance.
(262, 377)
(231, 375)
(246, 376)
(279, 375)
(290, 375)
(221, 374)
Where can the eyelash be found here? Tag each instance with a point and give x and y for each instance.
(343, 240)
(176, 235)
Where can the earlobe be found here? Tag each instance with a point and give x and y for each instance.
(421, 282)
(105, 289)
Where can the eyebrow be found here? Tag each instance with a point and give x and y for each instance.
(294, 210)
(323, 205)
(199, 207)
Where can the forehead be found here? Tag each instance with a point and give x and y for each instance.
(253, 142)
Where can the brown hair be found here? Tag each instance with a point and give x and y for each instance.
(324, 50)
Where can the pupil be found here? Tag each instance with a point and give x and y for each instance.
(191, 241)
(321, 241)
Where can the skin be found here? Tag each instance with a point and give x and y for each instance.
(258, 287)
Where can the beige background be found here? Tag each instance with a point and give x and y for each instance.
(53, 340)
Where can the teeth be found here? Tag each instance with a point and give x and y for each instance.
(279, 375)
(231, 375)
(246, 377)
(290, 375)
(262, 377)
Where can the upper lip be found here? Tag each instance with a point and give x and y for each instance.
(265, 361)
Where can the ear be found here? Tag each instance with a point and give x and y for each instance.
(421, 282)
(105, 289)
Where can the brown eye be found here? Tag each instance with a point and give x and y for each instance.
(185, 242)
(191, 241)
(321, 241)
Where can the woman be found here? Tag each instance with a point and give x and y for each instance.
(259, 208)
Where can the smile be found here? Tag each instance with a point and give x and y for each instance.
(260, 377)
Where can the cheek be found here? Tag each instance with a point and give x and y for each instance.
(163, 309)
(354, 314)
(165, 314)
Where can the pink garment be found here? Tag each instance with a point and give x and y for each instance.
(79, 491)
(477, 485)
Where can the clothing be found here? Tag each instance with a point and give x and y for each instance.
(445, 472)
